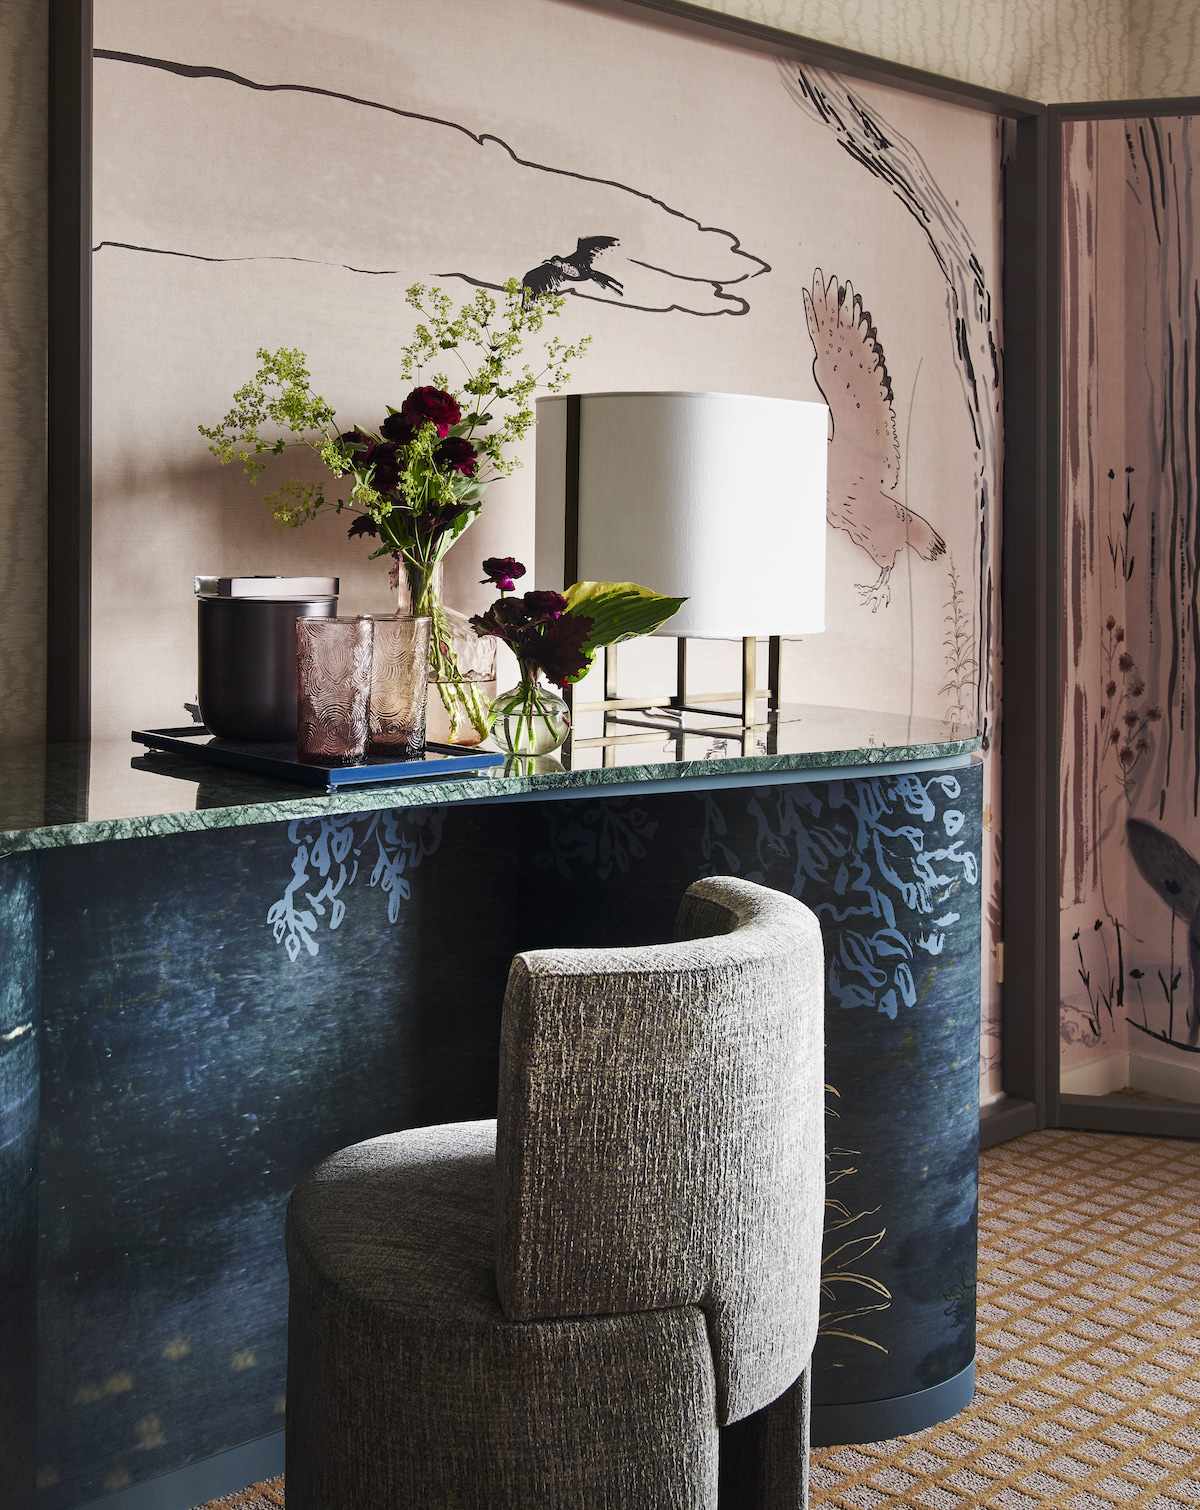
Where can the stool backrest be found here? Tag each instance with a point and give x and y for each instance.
(661, 1133)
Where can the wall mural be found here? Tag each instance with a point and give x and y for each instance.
(1131, 753)
(265, 175)
(864, 454)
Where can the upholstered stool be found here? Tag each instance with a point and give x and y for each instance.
(611, 1300)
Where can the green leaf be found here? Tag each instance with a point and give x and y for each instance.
(620, 610)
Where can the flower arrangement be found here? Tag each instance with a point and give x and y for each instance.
(557, 635)
(418, 481)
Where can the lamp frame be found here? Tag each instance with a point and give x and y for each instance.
(681, 700)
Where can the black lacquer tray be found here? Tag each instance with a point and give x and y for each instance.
(195, 741)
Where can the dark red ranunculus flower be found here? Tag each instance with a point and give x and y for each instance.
(386, 461)
(458, 454)
(397, 428)
(425, 404)
(503, 618)
(560, 652)
(502, 570)
(356, 440)
(545, 605)
(363, 525)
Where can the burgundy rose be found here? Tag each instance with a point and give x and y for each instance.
(545, 605)
(425, 405)
(503, 572)
(397, 428)
(457, 454)
(363, 525)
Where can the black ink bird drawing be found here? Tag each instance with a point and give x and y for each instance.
(551, 276)
(864, 453)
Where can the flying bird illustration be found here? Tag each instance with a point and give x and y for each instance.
(864, 454)
(550, 276)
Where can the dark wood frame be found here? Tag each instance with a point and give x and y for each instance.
(1091, 1113)
(1028, 519)
(69, 388)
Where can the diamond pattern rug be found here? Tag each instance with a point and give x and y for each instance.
(1088, 1365)
(265, 1496)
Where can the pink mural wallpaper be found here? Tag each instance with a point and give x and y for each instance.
(1130, 836)
(277, 175)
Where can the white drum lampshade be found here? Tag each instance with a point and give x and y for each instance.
(716, 497)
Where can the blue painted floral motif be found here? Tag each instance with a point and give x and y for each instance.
(605, 834)
(333, 849)
(883, 855)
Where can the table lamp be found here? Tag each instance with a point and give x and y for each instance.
(716, 497)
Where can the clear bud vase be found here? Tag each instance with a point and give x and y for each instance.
(462, 665)
(531, 719)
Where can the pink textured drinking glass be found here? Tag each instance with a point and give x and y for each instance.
(333, 690)
(399, 679)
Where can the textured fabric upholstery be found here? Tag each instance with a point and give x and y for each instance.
(407, 1385)
(661, 1133)
(564, 1319)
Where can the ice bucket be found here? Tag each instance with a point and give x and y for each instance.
(246, 651)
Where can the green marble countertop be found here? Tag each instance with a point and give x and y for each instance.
(62, 795)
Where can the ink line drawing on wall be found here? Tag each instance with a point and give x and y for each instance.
(958, 642)
(274, 212)
(887, 155)
(1175, 878)
(1130, 771)
(553, 275)
(864, 452)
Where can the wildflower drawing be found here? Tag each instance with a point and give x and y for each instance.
(961, 669)
(1101, 996)
(841, 1257)
(1124, 723)
(1122, 557)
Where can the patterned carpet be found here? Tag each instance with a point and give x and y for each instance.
(264, 1496)
(1088, 1388)
(1088, 1365)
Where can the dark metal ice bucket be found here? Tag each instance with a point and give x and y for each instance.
(246, 646)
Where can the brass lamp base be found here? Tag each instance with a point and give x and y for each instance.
(683, 700)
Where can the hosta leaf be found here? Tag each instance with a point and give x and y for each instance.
(620, 610)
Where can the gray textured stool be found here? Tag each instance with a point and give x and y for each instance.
(608, 1297)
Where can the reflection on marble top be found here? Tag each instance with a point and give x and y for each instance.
(52, 795)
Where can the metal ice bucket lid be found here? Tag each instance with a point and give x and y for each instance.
(285, 589)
